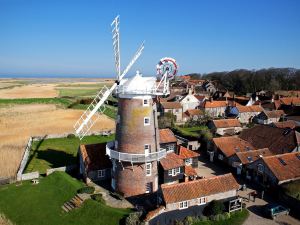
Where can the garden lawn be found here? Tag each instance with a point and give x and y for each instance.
(195, 132)
(58, 152)
(29, 204)
(237, 218)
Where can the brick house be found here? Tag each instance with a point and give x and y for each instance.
(192, 114)
(167, 140)
(171, 169)
(189, 157)
(225, 126)
(214, 108)
(94, 164)
(198, 192)
(268, 117)
(224, 148)
(174, 108)
(277, 169)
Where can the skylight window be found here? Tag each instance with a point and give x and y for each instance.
(282, 161)
(249, 158)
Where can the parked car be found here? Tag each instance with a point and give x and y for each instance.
(274, 210)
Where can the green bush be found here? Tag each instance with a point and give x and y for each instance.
(227, 215)
(189, 220)
(203, 218)
(214, 208)
(71, 136)
(98, 198)
(87, 190)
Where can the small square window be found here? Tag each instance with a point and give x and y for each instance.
(146, 121)
(101, 173)
(148, 169)
(183, 205)
(145, 102)
(201, 201)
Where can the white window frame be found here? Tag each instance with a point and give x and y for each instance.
(170, 148)
(147, 149)
(146, 124)
(147, 102)
(173, 172)
(101, 173)
(148, 185)
(201, 200)
(220, 157)
(188, 161)
(183, 205)
(148, 169)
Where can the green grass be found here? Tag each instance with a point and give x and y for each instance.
(100, 85)
(57, 152)
(236, 218)
(292, 189)
(78, 92)
(39, 204)
(59, 101)
(196, 131)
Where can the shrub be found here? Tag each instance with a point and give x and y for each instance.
(189, 220)
(203, 218)
(214, 208)
(227, 215)
(133, 218)
(71, 136)
(87, 190)
(98, 198)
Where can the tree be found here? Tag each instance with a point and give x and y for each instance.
(214, 208)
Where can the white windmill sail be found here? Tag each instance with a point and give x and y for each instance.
(89, 117)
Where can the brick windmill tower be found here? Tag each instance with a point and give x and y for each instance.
(135, 152)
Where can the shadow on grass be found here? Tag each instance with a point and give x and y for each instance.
(56, 158)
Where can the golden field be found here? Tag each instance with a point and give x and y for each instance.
(19, 122)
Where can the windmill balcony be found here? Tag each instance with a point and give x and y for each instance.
(134, 158)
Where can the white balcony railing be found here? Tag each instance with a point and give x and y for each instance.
(134, 158)
(147, 91)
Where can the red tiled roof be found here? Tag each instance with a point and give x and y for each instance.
(278, 140)
(284, 172)
(230, 145)
(171, 105)
(252, 108)
(94, 157)
(214, 104)
(194, 112)
(274, 113)
(200, 97)
(198, 188)
(190, 171)
(185, 153)
(166, 136)
(251, 156)
(286, 124)
(171, 161)
(225, 123)
(290, 101)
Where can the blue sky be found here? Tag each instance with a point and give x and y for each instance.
(73, 37)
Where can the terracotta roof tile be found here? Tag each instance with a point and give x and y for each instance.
(230, 145)
(278, 140)
(286, 124)
(214, 104)
(190, 171)
(251, 156)
(252, 108)
(171, 161)
(225, 123)
(94, 157)
(289, 169)
(274, 113)
(194, 112)
(185, 153)
(166, 136)
(198, 188)
(171, 105)
(290, 101)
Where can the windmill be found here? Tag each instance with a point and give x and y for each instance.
(136, 151)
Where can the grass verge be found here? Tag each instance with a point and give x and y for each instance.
(29, 204)
(57, 152)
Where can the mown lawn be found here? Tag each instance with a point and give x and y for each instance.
(57, 152)
(196, 131)
(40, 204)
(237, 218)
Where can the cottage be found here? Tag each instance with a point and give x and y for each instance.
(278, 140)
(225, 126)
(189, 157)
(192, 143)
(224, 148)
(171, 169)
(189, 102)
(214, 108)
(95, 165)
(174, 108)
(167, 140)
(268, 117)
(192, 114)
(242, 159)
(199, 192)
(277, 169)
(245, 114)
